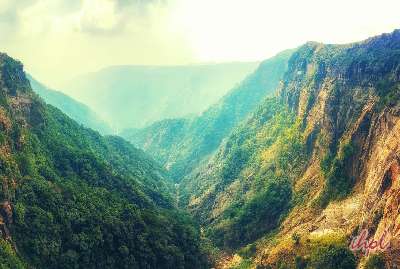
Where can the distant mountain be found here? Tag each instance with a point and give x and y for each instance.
(136, 96)
(71, 198)
(74, 109)
(181, 144)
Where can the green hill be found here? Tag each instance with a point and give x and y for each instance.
(71, 198)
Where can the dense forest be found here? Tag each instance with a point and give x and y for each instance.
(74, 199)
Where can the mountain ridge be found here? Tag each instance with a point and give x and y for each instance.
(127, 95)
(186, 142)
(74, 109)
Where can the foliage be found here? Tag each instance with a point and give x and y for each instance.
(296, 238)
(375, 261)
(248, 251)
(300, 262)
(269, 147)
(258, 216)
(8, 257)
(244, 264)
(81, 200)
(332, 257)
(78, 210)
(338, 183)
(183, 144)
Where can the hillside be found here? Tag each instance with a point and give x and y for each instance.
(312, 167)
(136, 96)
(71, 198)
(181, 144)
(74, 109)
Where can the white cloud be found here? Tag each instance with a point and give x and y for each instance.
(99, 15)
(254, 29)
(58, 39)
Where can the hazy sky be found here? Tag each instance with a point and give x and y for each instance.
(59, 39)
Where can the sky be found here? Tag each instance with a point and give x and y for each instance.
(58, 40)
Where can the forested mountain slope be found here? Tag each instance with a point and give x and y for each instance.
(181, 144)
(71, 198)
(136, 96)
(312, 167)
(74, 109)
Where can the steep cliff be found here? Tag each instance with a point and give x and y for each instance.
(313, 166)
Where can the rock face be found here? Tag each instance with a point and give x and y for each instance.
(345, 103)
(356, 93)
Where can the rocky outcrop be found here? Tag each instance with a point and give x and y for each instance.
(346, 100)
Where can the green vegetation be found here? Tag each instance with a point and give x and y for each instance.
(183, 144)
(389, 93)
(332, 257)
(269, 145)
(258, 216)
(329, 251)
(8, 257)
(74, 199)
(81, 200)
(300, 262)
(375, 261)
(244, 264)
(338, 184)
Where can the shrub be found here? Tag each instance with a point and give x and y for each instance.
(8, 258)
(332, 257)
(300, 262)
(375, 261)
(260, 215)
(296, 238)
(338, 183)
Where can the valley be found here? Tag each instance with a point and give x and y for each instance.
(292, 181)
(284, 170)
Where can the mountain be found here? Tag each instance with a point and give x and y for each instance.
(71, 198)
(312, 168)
(181, 144)
(74, 109)
(136, 96)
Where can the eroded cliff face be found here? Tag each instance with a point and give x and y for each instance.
(349, 97)
(345, 101)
